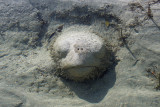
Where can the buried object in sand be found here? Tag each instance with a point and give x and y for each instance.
(79, 55)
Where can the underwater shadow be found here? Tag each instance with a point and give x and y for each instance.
(93, 91)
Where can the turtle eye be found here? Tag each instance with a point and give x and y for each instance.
(63, 50)
(63, 53)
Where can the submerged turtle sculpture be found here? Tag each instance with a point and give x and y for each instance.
(79, 54)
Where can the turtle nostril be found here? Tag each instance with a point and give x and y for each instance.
(81, 48)
(77, 48)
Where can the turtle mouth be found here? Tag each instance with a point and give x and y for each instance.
(80, 71)
(79, 67)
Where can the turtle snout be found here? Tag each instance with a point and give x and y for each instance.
(80, 49)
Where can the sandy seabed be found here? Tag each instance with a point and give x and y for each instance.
(26, 68)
